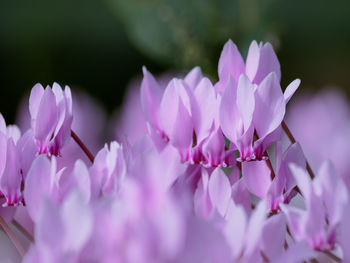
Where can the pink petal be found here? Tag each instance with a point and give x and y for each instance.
(257, 177)
(245, 100)
(46, 119)
(219, 190)
(38, 185)
(291, 89)
(202, 203)
(11, 178)
(36, 95)
(230, 63)
(193, 77)
(229, 115)
(235, 230)
(151, 95)
(261, 61)
(208, 106)
(77, 221)
(269, 106)
(273, 236)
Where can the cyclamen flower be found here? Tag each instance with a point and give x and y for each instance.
(51, 114)
(261, 61)
(247, 108)
(325, 200)
(186, 116)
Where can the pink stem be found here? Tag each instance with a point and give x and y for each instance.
(12, 236)
(82, 146)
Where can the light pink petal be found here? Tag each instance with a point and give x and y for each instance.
(208, 105)
(302, 180)
(241, 196)
(151, 95)
(193, 78)
(49, 231)
(36, 95)
(273, 236)
(245, 100)
(230, 121)
(291, 89)
(219, 190)
(261, 61)
(231, 62)
(257, 177)
(255, 227)
(82, 180)
(294, 154)
(296, 219)
(214, 149)
(252, 62)
(269, 106)
(47, 117)
(3, 151)
(3, 128)
(11, 178)
(235, 230)
(297, 252)
(204, 243)
(38, 185)
(202, 204)
(169, 106)
(77, 221)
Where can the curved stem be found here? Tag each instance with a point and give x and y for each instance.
(332, 256)
(12, 236)
(82, 146)
(292, 139)
(23, 230)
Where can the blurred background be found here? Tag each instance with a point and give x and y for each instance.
(99, 46)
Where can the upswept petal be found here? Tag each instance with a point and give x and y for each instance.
(269, 106)
(261, 61)
(193, 78)
(230, 63)
(291, 89)
(11, 179)
(151, 96)
(219, 190)
(47, 117)
(207, 105)
(245, 100)
(229, 115)
(36, 95)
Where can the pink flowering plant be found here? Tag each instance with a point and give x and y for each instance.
(202, 171)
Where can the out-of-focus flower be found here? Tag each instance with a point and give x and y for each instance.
(312, 121)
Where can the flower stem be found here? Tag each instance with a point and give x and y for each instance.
(82, 146)
(23, 230)
(12, 236)
(292, 139)
(332, 256)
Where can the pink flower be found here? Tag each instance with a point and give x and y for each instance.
(51, 113)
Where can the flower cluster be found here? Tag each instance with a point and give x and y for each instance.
(203, 172)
